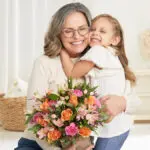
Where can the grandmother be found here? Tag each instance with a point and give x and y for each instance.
(69, 30)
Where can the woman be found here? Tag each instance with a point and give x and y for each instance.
(68, 30)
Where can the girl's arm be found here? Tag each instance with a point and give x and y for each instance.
(76, 70)
(66, 62)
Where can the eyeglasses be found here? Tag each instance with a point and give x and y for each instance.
(69, 32)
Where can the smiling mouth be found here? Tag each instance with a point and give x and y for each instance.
(95, 40)
(77, 43)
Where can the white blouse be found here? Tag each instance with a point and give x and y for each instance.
(111, 78)
(48, 73)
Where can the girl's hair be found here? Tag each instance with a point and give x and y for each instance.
(129, 75)
(52, 43)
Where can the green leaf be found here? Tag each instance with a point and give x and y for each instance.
(69, 82)
(35, 128)
(29, 117)
(53, 96)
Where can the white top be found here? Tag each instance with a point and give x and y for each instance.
(48, 73)
(110, 80)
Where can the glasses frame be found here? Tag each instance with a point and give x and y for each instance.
(75, 30)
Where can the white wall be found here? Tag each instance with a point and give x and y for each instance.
(24, 22)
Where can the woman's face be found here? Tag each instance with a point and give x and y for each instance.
(74, 35)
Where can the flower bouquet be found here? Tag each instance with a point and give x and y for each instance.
(71, 114)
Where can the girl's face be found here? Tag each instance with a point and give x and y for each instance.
(101, 33)
(74, 35)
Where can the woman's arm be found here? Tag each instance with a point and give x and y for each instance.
(127, 103)
(38, 82)
(114, 104)
(77, 70)
(132, 100)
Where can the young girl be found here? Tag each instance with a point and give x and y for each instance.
(105, 65)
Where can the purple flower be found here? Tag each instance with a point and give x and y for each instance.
(71, 130)
(78, 93)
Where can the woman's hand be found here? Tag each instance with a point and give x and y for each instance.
(114, 104)
(73, 147)
(90, 147)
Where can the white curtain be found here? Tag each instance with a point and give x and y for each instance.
(23, 24)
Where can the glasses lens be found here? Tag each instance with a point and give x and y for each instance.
(83, 30)
(68, 32)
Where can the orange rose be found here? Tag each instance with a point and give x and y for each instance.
(84, 131)
(73, 100)
(90, 100)
(42, 122)
(44, 106)
(66, 114)
(54, 135)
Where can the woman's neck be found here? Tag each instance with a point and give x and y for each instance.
(74, 55)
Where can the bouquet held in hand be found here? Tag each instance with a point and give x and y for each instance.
(72, 113)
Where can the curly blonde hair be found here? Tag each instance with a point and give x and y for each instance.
(129, 75)
(52, 43)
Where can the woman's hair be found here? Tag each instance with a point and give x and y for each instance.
(129, 75)
(52, 43)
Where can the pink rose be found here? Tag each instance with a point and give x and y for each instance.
(71, 130)
(36, 116)
(78, 92)
(52, 103)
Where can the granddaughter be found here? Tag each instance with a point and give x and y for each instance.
(105, 65)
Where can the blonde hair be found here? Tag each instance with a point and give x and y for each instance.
(52, 43)
(129, 75)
